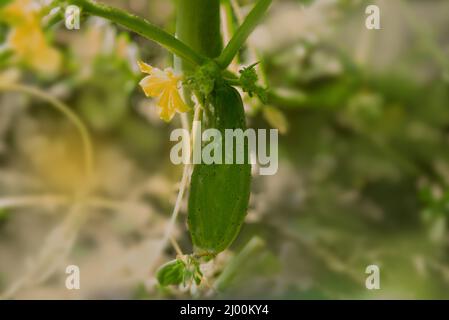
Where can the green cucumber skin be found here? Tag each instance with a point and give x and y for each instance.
(219, 193)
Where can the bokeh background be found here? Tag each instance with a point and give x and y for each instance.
(363, 158)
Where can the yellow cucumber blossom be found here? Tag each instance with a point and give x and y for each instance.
(163, 85)
(19, 11)
(26, 37)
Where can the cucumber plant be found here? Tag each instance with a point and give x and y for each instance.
(219, 193)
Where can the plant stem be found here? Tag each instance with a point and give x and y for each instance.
(243, 33)
(32, 201)
(198, 26)
(288, 100)
(253, 54)
(229, 27)
(249, 251)
(142, 27)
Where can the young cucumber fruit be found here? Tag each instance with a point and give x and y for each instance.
(219, 193)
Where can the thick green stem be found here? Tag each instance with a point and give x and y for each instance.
(198, 26)
(243, 33)
(142, 27)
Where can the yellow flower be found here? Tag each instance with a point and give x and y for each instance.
(19, 11)
(163, 85)
(30, 46)
(26, 37)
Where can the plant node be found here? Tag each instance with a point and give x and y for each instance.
(248, 82)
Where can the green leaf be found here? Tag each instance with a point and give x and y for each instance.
(4, 216)
(171, 273)
(4, 3)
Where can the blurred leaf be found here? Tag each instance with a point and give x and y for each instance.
(4, 3)
(141, 293)
(4, 216)
(171, 273)
(104, 99)
(234, 267)
(276, 119)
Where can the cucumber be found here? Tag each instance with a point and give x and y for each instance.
(219, 193)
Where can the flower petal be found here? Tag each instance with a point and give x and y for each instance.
(164, 100)
(144, 67)
(164, 86)
(167, 111)
(152, 86)
(167, 114)
(178, 103)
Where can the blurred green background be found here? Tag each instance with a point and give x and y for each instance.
(363, 159)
